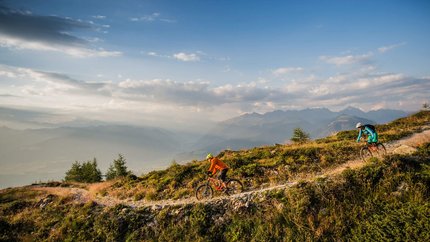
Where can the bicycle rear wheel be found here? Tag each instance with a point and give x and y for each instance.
(204, 191)
(365, 153)
(234, 186)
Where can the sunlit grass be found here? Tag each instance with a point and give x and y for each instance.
(261, 165)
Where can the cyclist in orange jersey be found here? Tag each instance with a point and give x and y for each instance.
(217, 165)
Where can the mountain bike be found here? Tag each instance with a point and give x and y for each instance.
(206, 190)
(372, 150)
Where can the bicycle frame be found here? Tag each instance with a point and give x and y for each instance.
(215, 183)
(205, 190)
(374, 149)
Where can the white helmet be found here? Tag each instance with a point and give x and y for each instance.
(358, 125)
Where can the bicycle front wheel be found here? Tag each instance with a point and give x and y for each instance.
(234, 187)
(365, 153)
(204, 192)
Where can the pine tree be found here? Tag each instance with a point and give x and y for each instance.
(75, 173)
(299, 136)
(90, 171)
(85, 172)
(117, 169)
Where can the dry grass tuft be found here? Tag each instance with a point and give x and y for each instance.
(99, 187)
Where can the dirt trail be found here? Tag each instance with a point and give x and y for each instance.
(406, 145)
(403, 146)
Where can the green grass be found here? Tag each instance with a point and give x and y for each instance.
(386, 200)
(260, 165)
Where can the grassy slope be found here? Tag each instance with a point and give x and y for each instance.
(271, 164)
(386, 200)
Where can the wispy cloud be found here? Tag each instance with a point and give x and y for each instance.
(156, 54)
(287, 70)
(384, 49)
(152, 53)
(49, 83)
(186, 56)
(347, 59)
(152, 18)
(21, 44)
(25, 31)
(99, 17)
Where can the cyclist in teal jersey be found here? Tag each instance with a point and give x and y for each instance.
(369, 130)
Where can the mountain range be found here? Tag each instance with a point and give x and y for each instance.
(255, 129)
(47, 153)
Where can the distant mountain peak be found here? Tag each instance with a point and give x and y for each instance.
(350, 108)
(316, 108)
(253, 114)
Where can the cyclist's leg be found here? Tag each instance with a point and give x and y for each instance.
(223, 176)
(218, 177)
(369, 140)
(375, 138)
(371, 144)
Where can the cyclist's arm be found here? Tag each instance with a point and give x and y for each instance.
(359, 135)
(212, 167)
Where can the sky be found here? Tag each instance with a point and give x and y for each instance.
(191, 63)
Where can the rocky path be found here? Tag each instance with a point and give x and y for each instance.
(403, 146)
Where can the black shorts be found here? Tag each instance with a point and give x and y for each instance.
(223, 174)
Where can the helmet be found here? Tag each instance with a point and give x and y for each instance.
(209, 156)
(358, 125)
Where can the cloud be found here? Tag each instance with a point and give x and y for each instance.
(363, 88)
(155, 54)
(186, 57)
(21, 44)
(49, 83)
(152, 18)
(7, 73)
(147, 18)
(157, 91)
(286, 70)
(166, 91)
(347, 59)
(99, 17)
(384, 49)
(359, 89)
(63, 79)
(180, 56)
(152, 54)
(25, 31)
